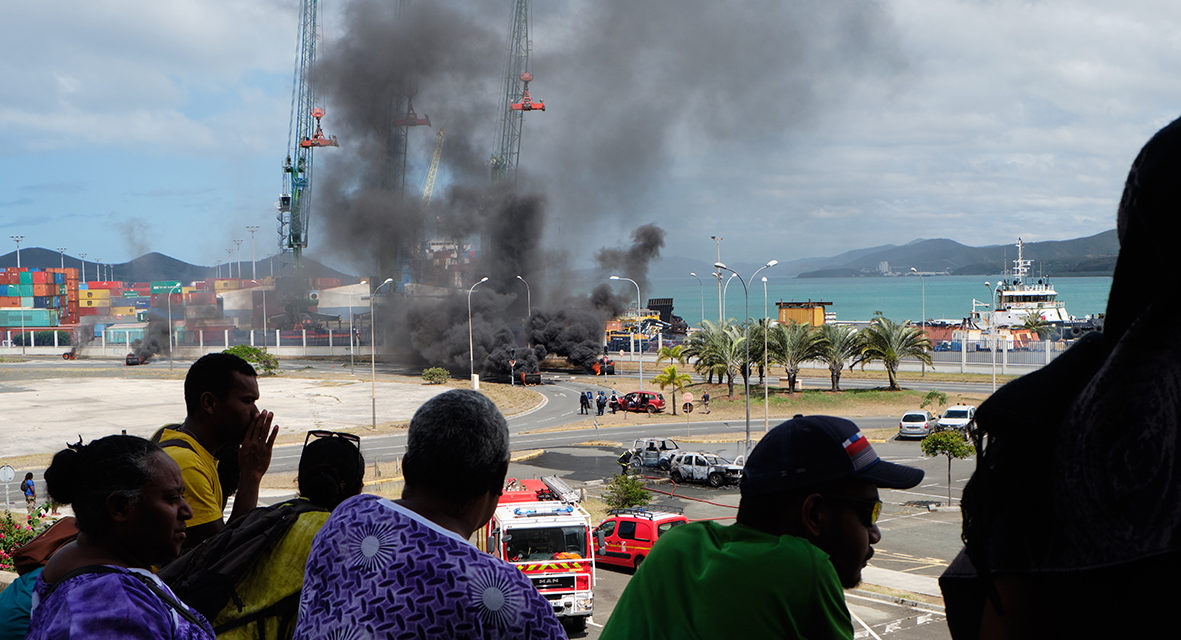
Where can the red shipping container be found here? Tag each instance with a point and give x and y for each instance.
(41, 277)
(88, 311)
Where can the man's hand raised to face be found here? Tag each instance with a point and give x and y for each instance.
(254, 456)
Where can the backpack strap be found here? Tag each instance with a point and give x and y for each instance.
(171, 442)
(163, 595)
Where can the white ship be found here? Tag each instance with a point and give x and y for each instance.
(1017, 298)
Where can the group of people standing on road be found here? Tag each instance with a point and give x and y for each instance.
(588, 401)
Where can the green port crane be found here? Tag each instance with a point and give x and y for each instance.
(516, 100)
(304, 136)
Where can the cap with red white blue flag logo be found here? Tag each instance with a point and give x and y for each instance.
(809, 451)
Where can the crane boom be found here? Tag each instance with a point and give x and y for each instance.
(504, 162)
(303, 136)
(429, 189)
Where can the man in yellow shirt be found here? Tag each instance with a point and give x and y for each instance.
(220, 395)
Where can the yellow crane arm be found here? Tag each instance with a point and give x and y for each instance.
(430, 176)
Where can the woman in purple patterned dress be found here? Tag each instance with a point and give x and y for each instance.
(128, 498)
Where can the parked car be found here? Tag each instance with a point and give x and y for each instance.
(957, 418)
(916, 424)
(710, 468)
(626, 536)
(642, 401)
(654, 452)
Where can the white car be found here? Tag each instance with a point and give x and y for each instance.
(957, 418)
(916, 424)
(710, 468)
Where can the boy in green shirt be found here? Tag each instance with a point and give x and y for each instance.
(806, 526)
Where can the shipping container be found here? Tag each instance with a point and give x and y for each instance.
(122, 311)
(95, 294)
(87, 311)
(326, 283)
(26, 277)
(225, 285)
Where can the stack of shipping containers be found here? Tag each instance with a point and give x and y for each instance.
(36, 298)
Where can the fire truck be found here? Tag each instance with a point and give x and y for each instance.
(540, 527)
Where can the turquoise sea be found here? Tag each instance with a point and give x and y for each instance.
(898, 298)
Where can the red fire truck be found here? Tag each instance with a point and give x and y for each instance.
(540, 527)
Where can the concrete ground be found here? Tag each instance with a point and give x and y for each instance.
(41, 415)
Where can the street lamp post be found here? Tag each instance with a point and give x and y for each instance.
(718, 245)
(639, 333)
(238, 248)
(528, 299)
(766, 372)
(725, 289)
(471, 345)
(17, 240)
(253, 263)
(992, 330)
(746, 364)
(62, 254)
(923, 285)
(82, 254)
(264, 319)
(373, 353)
(169, 294)
(701, 290)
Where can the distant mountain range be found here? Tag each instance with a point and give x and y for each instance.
(1089, 256)
(157, 266)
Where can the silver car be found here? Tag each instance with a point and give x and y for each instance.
(916, 424)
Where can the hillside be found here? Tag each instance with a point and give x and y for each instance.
(157, 266)
(1089, 256)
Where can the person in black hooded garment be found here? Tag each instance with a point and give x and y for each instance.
(1072, 519)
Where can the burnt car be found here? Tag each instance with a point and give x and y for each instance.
(134, 359)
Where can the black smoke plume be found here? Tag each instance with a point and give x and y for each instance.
(629, 88)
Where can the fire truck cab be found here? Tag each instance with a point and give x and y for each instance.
(540, 527)
(626, 536)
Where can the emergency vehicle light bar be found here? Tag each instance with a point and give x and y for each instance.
(544, 511)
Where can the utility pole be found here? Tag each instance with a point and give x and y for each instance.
(62, 252)
(238, 247)
(253, 264)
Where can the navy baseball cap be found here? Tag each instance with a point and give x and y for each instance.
(810, 451)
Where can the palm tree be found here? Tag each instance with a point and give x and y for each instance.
(671, 377)
(839, 346)
(1037, 324)
(705, 347)
(672, 354)
(791, 345)
(890, 342)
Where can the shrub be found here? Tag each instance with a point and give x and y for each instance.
(16, 531)
(935, 398)
(435, 375)
(257, 356)
(626, 490)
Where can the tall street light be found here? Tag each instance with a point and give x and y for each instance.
(725, 289)
(639, 332)
(992, 330)
(373, 353)
(923, 284)
(718, 245)
(253, 263)
(82, 254)
(238, 247)
(528, 299)
(701, 290)
(62, 254)
(746, 378)
(471, 345)
(17, 240)
(766, 372)
(170, 290)
(264, 321)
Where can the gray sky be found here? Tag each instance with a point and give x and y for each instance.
(792, 129)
